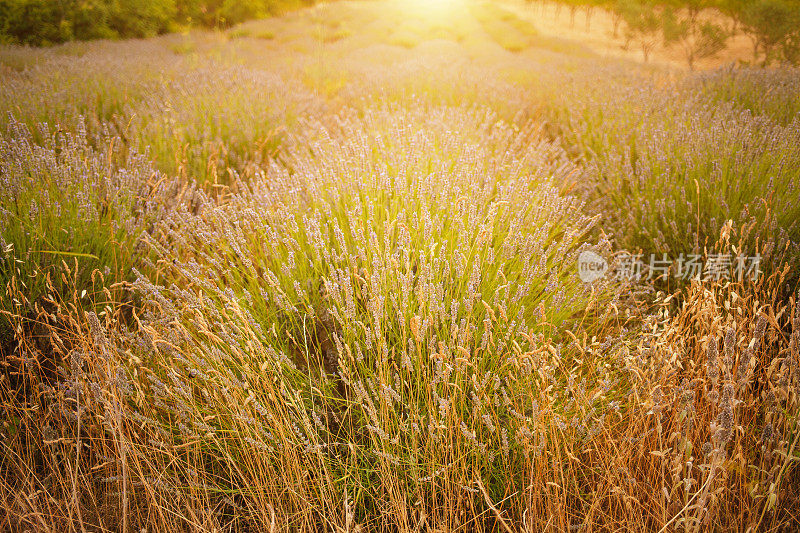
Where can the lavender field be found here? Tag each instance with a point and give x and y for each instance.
(397, 266)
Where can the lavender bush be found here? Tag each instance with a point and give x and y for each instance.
(773, 93)
(397, 315)
(74, 201)
(668, 172)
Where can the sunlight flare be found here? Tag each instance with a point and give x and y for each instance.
(435, 10)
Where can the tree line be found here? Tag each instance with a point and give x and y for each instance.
(701, 28)
(43, 22)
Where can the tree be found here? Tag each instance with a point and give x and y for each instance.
(590, 6)
(142, 18)
(733, 9)
(772, 26)
(791, 49)
(617, 9)
(43, 22)
(236, 11)
(34, 22)
(643, 24)
(698, 38)
(573, 6)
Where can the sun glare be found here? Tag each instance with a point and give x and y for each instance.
(438, 10)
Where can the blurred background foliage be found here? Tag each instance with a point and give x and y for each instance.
(43, 22)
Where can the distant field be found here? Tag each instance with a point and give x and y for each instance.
(389, 265)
